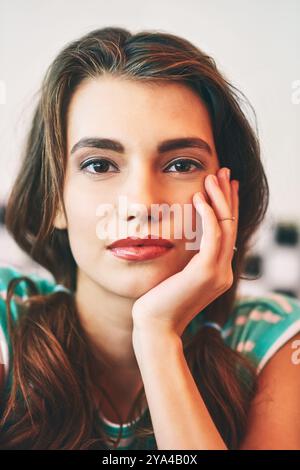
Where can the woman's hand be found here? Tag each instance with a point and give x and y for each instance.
(171, 305)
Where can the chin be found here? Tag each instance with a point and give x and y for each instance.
(132, 285)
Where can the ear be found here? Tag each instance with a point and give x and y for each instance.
(60, 220)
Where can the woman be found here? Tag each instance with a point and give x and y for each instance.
(152, 335)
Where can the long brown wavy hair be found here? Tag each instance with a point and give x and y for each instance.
(50, 405)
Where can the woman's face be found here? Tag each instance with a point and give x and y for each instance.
(140, 117)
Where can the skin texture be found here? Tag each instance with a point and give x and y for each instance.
(140, 116)
(274, 416)
(100, 108)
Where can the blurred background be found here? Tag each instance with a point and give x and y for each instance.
(255, 44)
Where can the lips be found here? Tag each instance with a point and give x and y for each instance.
(140, 249)
(146, 241)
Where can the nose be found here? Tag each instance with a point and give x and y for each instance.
(140, 191)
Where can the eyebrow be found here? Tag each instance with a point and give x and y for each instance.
(164, 146)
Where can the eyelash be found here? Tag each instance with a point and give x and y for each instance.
(87, 163)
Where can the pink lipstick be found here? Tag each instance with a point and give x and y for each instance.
(140, 249)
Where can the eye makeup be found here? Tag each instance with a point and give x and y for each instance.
(104, 163)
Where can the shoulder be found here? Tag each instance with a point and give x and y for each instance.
(260, 325)
(274, 414)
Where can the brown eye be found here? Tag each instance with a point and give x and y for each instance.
(100, 165)
(183, 165)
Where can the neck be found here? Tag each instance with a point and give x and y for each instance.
(107, 321)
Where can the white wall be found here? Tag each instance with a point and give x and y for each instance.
(256, 44)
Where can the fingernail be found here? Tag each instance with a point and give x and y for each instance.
(228, 173)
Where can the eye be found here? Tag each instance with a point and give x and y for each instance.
(100, 165)
(183, 163)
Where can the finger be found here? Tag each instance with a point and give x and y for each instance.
(223, 211)
(218, 199)
(224, 183)
(235, 204)
(229, 232)
(211, 233)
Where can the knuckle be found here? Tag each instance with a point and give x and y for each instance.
(225, 282)
(230, 280)
(210, 273)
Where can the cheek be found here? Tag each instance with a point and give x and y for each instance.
(86, 227)
(81, 207)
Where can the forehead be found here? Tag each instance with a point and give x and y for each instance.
(134, 111)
